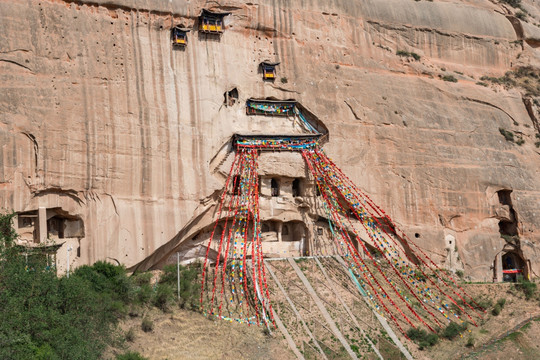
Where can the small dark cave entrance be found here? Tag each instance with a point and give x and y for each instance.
(274, 185)
(230, 97)
(296, 188)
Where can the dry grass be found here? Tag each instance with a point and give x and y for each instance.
(185, 334)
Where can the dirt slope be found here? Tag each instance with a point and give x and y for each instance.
(184, 334)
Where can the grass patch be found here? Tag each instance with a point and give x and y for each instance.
(388, 350)
(513, 336)
(422, 338)
(132, 355)
(453, 330)
(526, 326)
(481, 303)
(470, 342)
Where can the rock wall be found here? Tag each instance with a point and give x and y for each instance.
(101, 117)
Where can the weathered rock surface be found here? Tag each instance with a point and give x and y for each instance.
(101, 117)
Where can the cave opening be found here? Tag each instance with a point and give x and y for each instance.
(274, 185)
(230, 97)
(296, 187)
(514, 266)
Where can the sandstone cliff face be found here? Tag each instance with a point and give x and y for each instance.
(101, 117)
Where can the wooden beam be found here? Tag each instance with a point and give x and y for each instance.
(351, 315)
(323, 310)
(269, 268)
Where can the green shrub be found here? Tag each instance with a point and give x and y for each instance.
(508, 135)
(7, 233)
(130, 335)
(422, 338)
(537, 144)
(449, 78)
(107, 278)
(189, 284)
(144, 294)
(163, 297)
(419, 275)
(513, 3)
(132, 355)
(44, 352)
(503, 80)
(403, 53)
(498, 307)
(511, 239)
(142, 278)
(520, 141)
(46, 317)
(453, 330)
(168, 276)
(459, 274)
(470, 342)
(528, 288)
(147, 325)
(284, 80)
(521, 15)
